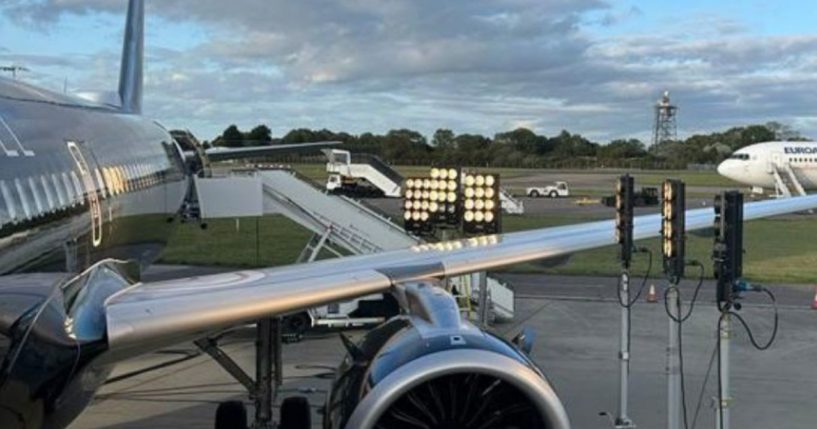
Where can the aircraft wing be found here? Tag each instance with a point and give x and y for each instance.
(220, 153)
(151, 315)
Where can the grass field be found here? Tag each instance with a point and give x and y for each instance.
(777, 250)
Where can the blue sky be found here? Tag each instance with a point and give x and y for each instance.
(589, 66)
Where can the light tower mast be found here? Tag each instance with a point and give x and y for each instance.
(665, 127)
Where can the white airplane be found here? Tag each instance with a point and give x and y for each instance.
(786, 167)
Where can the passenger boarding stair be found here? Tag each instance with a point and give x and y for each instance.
(364, 166)
(786, 180)
(510, 204)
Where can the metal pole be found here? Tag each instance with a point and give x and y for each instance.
(482, 278)
(623, 421)
(724, 401)
(278, 331)
(263, 374)
(673, 367)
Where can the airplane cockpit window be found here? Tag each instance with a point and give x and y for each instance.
(740, 156)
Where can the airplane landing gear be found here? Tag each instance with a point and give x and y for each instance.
(295, 411)
(231, 415)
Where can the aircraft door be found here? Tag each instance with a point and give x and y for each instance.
(774, 161)
(86, 167)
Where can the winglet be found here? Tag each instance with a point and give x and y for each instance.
(130, 75)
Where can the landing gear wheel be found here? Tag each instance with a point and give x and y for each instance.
(297, 324)
(231, 415)
(296, 413)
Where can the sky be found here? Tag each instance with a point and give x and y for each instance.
(594, 67)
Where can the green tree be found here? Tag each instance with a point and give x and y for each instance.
(232, 137)
(258, 136)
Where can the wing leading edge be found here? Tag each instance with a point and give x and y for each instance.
(151, 315)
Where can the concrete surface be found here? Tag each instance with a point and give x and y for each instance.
(576, 324)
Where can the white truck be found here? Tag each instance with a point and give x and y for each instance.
(559, 189)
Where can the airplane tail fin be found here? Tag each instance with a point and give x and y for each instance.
(130, 75)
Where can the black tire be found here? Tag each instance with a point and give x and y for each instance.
(231, 415)
(297, 324)
(534, 194)
(295, 413)
(553, 194)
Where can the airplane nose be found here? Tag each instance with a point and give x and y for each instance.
(722, 170)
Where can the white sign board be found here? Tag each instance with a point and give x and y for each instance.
(236, 196)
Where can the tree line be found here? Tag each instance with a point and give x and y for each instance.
(520, 147)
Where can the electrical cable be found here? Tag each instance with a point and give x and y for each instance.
(643, 281)
(680, 321)
(681, 365)
(694, 296)
(749, 331)
(703, 387)
(726, 311)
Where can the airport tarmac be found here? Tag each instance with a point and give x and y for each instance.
(575, 320)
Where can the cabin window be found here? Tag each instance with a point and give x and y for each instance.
(8, 210)
(24, 199)
(38, 198)
(69, 189)
(49, 196)
(100, 183)
(78, 187)
(63, 202)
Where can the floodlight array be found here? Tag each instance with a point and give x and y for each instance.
(673, 235)
(481, 209)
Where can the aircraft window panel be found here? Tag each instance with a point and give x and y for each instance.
(8, 202)
(38, 200)
(69, 189)
(23, 198)
(80, 191)
(59, 191)
(49, 196)
(100, 183)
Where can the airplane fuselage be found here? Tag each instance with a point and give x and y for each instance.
(81, 182)
(755, 165)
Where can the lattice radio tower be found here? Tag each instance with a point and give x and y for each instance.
(665, 127)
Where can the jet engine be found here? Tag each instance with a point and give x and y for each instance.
(431, 369)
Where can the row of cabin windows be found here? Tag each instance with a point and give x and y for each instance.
(32, 197)
(803, 160)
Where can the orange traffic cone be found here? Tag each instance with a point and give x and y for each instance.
(652, 296)
(814, 301)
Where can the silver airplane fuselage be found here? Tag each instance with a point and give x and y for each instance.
(80, 182)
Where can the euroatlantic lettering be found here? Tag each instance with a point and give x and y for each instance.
(800, 150)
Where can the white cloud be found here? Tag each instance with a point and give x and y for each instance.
(474, 66)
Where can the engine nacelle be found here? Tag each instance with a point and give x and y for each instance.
(51, 332)
(431, 369)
